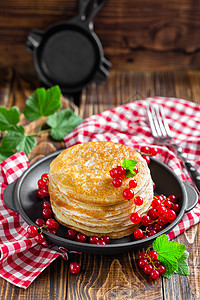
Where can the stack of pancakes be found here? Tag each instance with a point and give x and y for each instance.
(82, 194)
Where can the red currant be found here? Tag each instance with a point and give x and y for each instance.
(39, 222)
(161, 269)
(40, 238)
(139, 200)
(157, 227)
(93, 239)
(42, 184)
(138, 234)
(160, 210)
(45, 177)
(128, 194)
(71, 234)
(52, 231)
(162, 220)
(146, 220)
(117, 182)
(101, 242)
(81, 237)
(46, 213)
(136, 170)
(175, 207)
(154, 186)
(154, 274)
(114, 173)
(132, 183)
(51, 224)
(172, 198)
(142, 255)
(153, 255)
(152, 214)
(156, 263)
(147, 158)
(135, 218)
(46, 204)
(105, 238)
(40, 193)
(121, 171)
(167, 204)
(142, 262)
(151, 232)
(148, 268)
(170, 215)
(74, 268)
(32, 230)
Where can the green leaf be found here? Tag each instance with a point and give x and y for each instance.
(42, 103)
(17, 139)
(8, 117)
(183, 268)
(63, 123)
(169, 252)
(5, 154)
(129, 165)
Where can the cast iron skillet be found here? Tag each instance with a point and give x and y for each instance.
(70, 54)
(20, 196)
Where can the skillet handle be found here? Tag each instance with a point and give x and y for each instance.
(9, 196)
(88, 10)
(103, 71)
(34, 39)
(192, 196)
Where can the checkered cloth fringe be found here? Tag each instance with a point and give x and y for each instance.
(21, 258)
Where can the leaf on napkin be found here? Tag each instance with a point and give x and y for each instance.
(42, 103)
(63, 123)
(8, 117)
(17, 139)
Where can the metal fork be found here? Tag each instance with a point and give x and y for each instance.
(163, 135)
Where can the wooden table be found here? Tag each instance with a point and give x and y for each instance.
(107, 277)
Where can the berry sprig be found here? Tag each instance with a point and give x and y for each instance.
(149, 263)
(42, 191)
(120, 173)
(147, 151)
(164, 258)
(163, 211)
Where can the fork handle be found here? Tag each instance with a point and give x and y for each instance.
(193, 172)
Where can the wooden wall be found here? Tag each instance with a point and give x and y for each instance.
(136, 34)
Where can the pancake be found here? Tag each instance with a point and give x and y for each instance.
(82, 194)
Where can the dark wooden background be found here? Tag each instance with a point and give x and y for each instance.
(136, 34)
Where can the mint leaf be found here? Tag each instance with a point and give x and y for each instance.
(17, 139)
(42, 103)
(5, 154)
(129, 165)
(183, 268)
(63, 123)
(8, 117)
(170, 267)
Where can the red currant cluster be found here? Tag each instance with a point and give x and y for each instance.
(163, 211)
(118, 175)
(147, 152)
(149, 263)
(42, 191)
(82, 238)
(50, 224)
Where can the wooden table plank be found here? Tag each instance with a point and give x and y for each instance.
(107, 277)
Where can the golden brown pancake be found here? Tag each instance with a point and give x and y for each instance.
(82, 194)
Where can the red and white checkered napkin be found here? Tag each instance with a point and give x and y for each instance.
(128, 124)
(21, 258)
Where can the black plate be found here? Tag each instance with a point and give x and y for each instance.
(20, 196)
